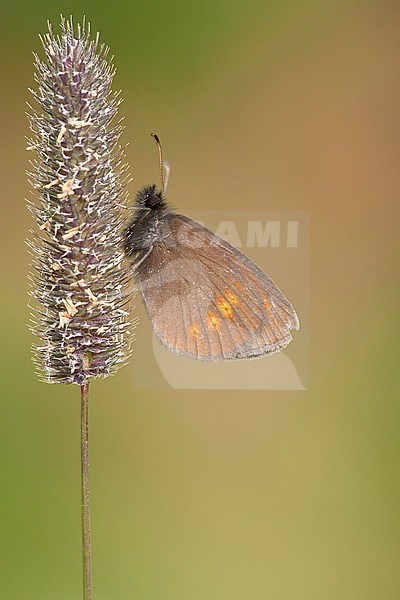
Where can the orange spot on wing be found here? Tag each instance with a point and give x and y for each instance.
(239, 285)
(267, 303)
(232, 298)
(213, 322)
(195, 330)
(224, 307)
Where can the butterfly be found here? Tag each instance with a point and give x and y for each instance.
(205, 298)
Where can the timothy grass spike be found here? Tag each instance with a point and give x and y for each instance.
(80, 283)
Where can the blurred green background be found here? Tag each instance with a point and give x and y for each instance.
(217, 495)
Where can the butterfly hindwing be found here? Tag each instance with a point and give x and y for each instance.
(207, 300)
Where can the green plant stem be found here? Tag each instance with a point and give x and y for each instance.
(85, 473)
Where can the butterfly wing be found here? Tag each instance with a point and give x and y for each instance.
(207, 300)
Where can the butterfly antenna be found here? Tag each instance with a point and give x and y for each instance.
(160, 157)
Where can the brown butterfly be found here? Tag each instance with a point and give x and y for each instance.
(205, 299)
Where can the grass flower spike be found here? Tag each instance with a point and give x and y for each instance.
(78, 176)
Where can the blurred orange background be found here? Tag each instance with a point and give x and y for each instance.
(213, 494)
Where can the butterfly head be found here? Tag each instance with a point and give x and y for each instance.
(151, 198)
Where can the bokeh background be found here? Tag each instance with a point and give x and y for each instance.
(223, 495)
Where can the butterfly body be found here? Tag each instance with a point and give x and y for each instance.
(148, 224)
(205, 299)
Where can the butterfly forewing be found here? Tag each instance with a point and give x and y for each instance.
(207, 300)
